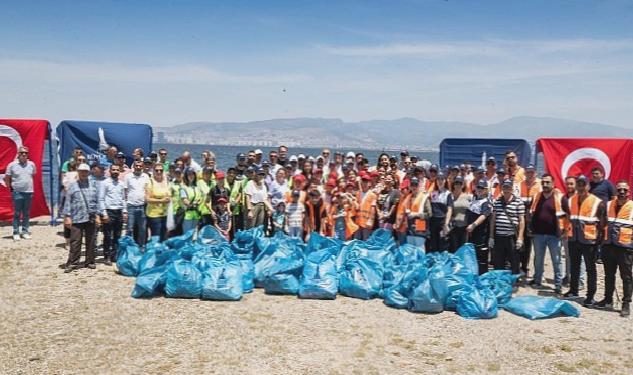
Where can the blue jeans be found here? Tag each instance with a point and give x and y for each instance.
(418, 241)
(541, 243)
(565, 244)
(295, 232)
(158, 227)
(136, 223)
(189, 224)
(21, 211)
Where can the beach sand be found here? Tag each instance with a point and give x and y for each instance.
(86, 322)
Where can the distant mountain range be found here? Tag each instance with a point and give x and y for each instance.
(407, 133)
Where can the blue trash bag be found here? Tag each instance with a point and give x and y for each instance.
(150, 282)
(477, 303)
(282, 283)
(535, 307)
(397, 296)
(179, 241)
(244, 240)
(211, 236)
(361, 278)
(128, 256)
(356, 249)
(223, 283)
(430, 295)
(466, 253)
(184, 280)
(248, 272)
(407, 254)
(319, 279)
(281, 256)
(203, 260)
(318, 242)
(188, 250)
(382, 238)
(500, 282)
(156, 254)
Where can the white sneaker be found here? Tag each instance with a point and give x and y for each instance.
(16, 237)
(26, 236)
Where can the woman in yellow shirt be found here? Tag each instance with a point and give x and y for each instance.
(157, 196)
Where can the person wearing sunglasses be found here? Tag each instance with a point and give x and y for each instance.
(618, 248)
(157, 196)
(19, 179)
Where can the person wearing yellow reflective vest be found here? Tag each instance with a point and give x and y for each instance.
(176, 201)
(235, 186)
(191, 198)
(586, 216)
(205, 186)
(418, 211)
(617, 249)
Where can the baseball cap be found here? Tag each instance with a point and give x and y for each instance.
(458, 180)
(413, 181)
(455, 168)
(241, 155)
(405, 184)
(301, 156)
(296, 193)
(311, 158)
(219, 174)
(506, 183)
(250, 169)
(530, 168)
(482, 184)
(207, 170)
(365, 177)
(153, 154)
(293, 158)
(331, 183)
(95, 164)
(374, 174)
(501, 171)
(177, 170)
(479, 169)
(441, 175)
(404, 153)
(260, 172)
(433, 167)
(393, 157)
(581, 179)
(83, 167)
(258, 152)
(350, 154)
(491, 160)
(222, 200)
(120, 154)
(147, 160)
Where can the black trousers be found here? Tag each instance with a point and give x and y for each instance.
(112, 233)
(578, 251)
(456, 238)
(436, 242)
(614, 257)
(79, 232)
(524, 254)
(505, 250)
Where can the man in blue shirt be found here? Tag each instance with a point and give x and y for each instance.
(80, 216)
(113, 212)
(601, 187)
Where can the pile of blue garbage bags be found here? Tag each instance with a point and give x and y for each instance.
(211, 268)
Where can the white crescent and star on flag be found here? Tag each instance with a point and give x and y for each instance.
(10, 133)
(586, 153)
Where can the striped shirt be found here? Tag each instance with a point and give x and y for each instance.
(507, 215)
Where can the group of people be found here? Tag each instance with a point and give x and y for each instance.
(503, 209)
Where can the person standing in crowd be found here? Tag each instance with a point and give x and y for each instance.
(176, 187)
(258, 157)
(548, 218)
(113, 213)
(570, 190)
(442, 205)
(603, 189)
(279, 218)
(367, 211)
(19, 180)
(491, 171)
(387, 204)
(157, 196)
(418, 211)
(162, 159)
(586, 215)
(135, 186)
(316, 214)
(282, 153)
(110, 156)
(188, 161)
(618, 248)
(138, 154)
(513, 170)
(295, 215)
(123, 168)
(223, 217)
(257, 203)
(527, 189)
(506, 228)
(340, 217)
(77, 152)
(191, 198)
(235, 199)
(477, 218)
(80, 216)
(461, 202)
(205, 187)
(272, 159)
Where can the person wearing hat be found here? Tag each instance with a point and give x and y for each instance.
(430, 182)
(527, 190)
(439, 223)
(417, 212)
(316, 214)
(220, 189)
(618, 248)
(148, 166)
(507, 225)
(80, 213)
(257, 202)
(491, 169)
(223, 217)
(120, 160)
(477, 220)
(587, 219)
(496, 188)
(388, 203)
(458, 236)
(295, 215)
(259, 154)
(19, 180)
(478, 175)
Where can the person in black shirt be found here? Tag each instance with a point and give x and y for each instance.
(477, 218)
(601, 187)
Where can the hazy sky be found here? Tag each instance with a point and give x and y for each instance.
(169, 62)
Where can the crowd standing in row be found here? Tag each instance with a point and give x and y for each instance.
(505, 210)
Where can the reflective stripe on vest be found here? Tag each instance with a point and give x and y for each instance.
(584, 220)
(365, 214)
(417, 207)
(561, 216)
(619, 229)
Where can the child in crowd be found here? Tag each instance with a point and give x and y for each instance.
(295, 214)
(279, 218)
(223, 218)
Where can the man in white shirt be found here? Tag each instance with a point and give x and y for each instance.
(135, 184)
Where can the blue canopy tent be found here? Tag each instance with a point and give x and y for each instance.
(455, 151)
(94, 138)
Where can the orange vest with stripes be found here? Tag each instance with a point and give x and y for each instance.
(584, 219)
(561, 216)
(417, 207)
(367, 211)
(619, 230)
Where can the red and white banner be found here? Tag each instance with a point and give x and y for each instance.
(13, 134)
(573, 156)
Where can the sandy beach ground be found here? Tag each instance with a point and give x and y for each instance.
(86, 322)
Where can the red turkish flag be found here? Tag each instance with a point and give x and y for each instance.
(13, 134)
(573, 156)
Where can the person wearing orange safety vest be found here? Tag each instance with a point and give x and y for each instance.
(548, 222)
(401, 226)
(526, 190)
(515, 172)
(494, 186)
(316, 214)
(340, 220)
(417, 212)
(617, 249)
(586, 216)
(366, 214)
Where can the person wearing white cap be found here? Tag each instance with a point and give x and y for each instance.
(258, 157)
(80, 216)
